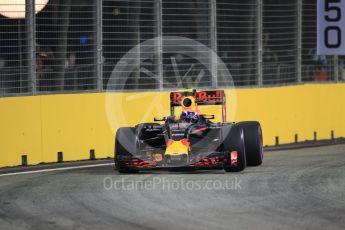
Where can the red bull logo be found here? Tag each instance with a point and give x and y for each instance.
(202, 97)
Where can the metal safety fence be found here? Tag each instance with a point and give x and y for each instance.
(54, 46)
(237, 39)
(14, 52)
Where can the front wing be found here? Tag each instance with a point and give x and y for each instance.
(214, 160)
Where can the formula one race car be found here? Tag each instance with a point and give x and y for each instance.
(190, 141)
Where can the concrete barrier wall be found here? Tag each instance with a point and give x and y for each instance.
(41, 126)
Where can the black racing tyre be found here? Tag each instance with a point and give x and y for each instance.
(253, 142)
(125, 146)
(234, 141)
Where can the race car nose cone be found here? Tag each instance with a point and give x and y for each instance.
(179, 160)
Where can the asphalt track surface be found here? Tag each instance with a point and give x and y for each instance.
(293, 189)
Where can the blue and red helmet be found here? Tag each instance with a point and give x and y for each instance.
(189, 108)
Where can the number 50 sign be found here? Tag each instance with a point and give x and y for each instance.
(331, 27)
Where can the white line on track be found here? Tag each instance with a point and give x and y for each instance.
(57, 169)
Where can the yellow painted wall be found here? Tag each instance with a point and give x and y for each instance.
(41, 126)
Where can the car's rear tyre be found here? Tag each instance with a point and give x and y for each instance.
(234, 141)
(125, 147)
(253, 142)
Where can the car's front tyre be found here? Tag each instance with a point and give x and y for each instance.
(234, 142)
(253, 142)
(125, 147)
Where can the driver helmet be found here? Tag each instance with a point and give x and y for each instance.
(189, 109)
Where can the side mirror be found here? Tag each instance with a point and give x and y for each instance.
(160, 119)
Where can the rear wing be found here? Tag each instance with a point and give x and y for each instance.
(203, 97)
